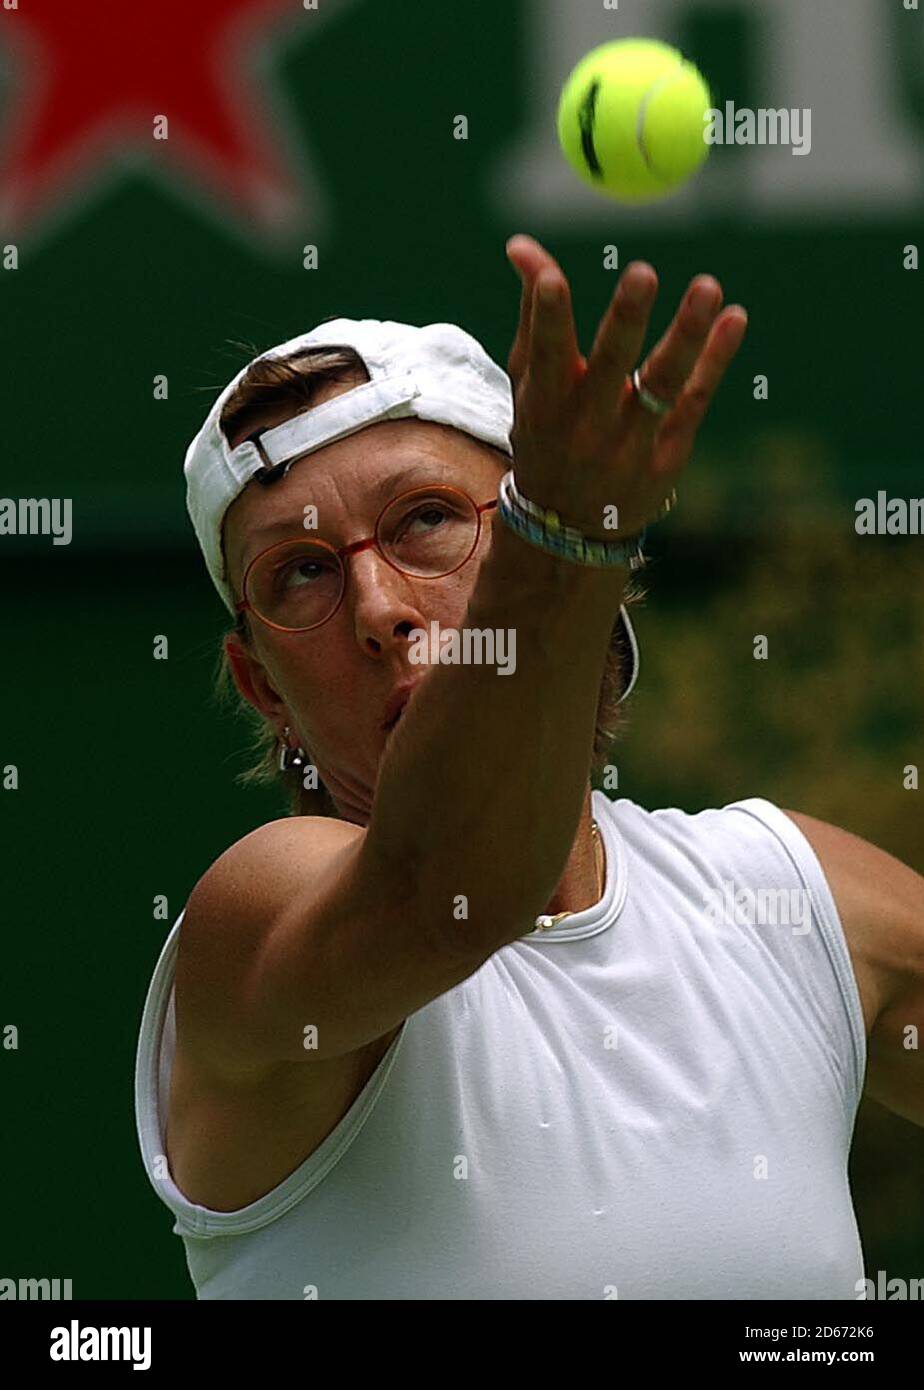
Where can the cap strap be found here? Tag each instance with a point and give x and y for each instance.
(380, 399)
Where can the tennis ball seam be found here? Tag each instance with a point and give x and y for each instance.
(647, 98)
(586, 118)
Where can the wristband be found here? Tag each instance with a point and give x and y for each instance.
(543, 528)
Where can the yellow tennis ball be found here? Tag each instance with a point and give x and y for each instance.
(632, 119)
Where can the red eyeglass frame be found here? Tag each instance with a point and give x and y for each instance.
(355, 548)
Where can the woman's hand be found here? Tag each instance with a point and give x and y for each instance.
(581, 440)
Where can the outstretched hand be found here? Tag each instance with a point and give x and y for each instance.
(582, 441)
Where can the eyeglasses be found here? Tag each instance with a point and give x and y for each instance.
(297, 585)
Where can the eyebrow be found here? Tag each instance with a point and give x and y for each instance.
(415, 475)
(405, 481)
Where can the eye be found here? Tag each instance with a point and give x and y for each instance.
(429, 515)
(304, 571)
(423, 521)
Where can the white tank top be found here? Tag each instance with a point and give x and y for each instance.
(654, 1099)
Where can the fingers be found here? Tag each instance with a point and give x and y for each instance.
(519, 353)
(686, 366)
(619, 340)
(553, 342)
(666, 368)
(678, 430)
(668, 365)
(527, 254)
(546, 341)
(527, 258)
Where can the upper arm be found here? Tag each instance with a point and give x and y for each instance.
(880, 902)
(291, 948)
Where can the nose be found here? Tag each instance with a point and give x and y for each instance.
(382, 603)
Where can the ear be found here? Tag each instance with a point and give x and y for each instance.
(250, 678)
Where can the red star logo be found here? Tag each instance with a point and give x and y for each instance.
(93, 76)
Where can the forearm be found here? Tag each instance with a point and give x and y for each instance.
(480, 789)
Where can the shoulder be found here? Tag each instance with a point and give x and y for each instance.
(880, 901)
(868, 904)
(242, 895)
(750, 842)
(881, 905)
(787, 868)
(264, 864)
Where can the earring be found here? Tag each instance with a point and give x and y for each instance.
(290, 757)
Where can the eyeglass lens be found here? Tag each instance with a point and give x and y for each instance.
(426, 533)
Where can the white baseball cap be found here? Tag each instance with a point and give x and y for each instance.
(437, 372)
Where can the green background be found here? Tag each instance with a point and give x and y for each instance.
(126, 768)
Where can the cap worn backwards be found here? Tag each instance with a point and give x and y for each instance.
(436, 372)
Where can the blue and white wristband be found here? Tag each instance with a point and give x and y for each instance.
(543, 528)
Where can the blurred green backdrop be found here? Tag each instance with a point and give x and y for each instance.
(126, 769)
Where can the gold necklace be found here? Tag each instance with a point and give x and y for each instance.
(548, 920)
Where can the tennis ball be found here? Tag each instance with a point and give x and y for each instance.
(631, 119)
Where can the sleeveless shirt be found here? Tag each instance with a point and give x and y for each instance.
(654, 1099)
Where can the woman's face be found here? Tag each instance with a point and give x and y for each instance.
(331, 685)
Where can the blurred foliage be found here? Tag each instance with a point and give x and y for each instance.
(829, 721)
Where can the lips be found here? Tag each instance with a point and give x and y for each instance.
(397, 702)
